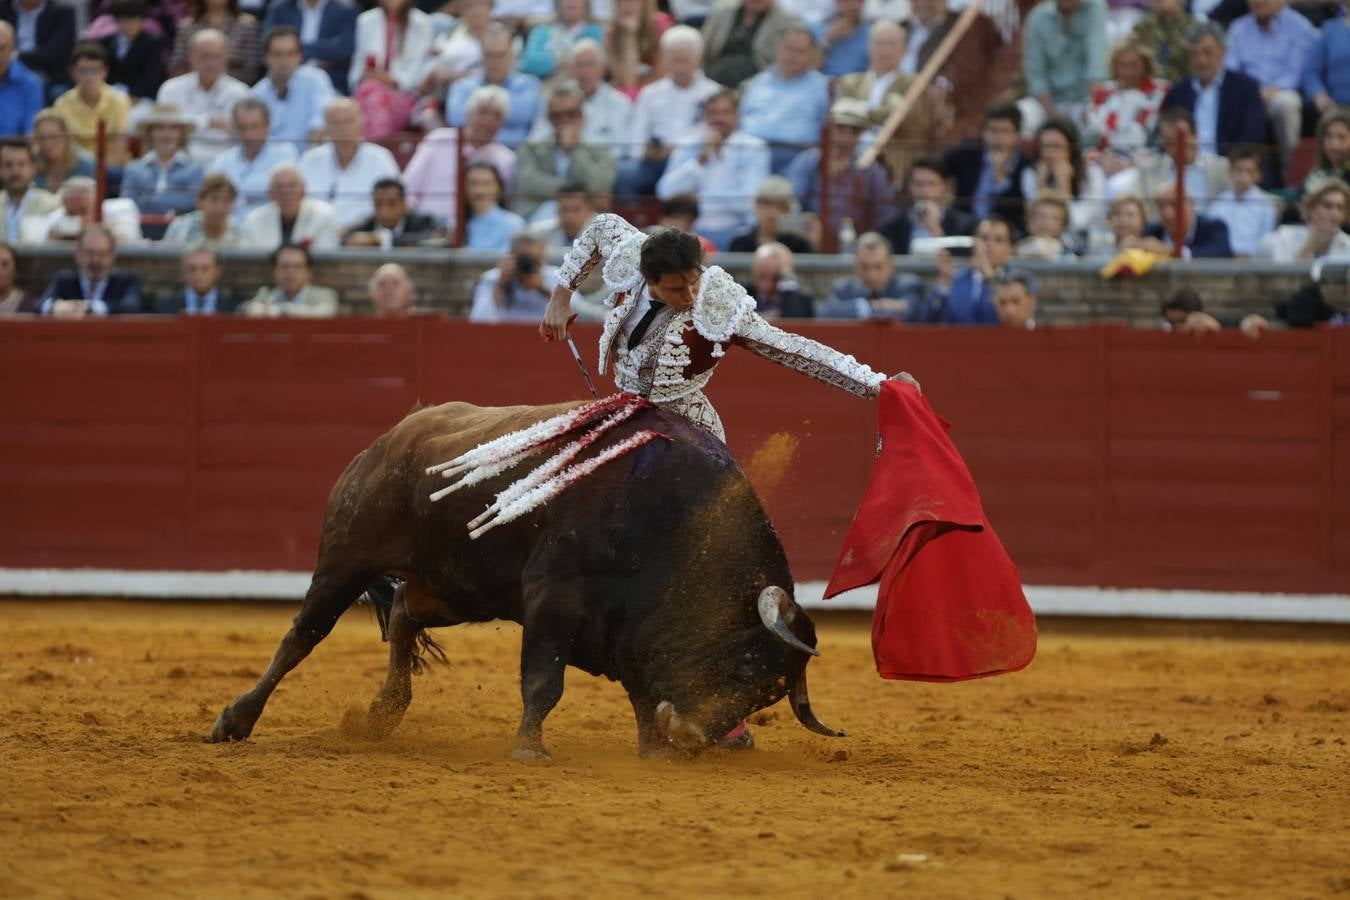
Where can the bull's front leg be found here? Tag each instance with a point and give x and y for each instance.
(389, 705)
(550, 624)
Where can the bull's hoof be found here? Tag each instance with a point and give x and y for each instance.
(531, 755)
(738, 738)
(230, 726)
(384, 716)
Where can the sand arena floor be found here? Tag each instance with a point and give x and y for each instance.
(1170, 763)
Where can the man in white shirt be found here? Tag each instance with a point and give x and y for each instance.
(17, 170)
(344, 171)
(723, 166)
(665, 111)
(249, 163)
(206, 94)
(608, 113)
(291, 217)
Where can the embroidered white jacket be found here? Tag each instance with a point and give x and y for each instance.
(676, 357)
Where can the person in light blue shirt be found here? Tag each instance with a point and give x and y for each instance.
(249, 164)
(165, 179)
(489, 227)
(550, 43)
(499, 62)
(967, 297)
(843, 38)
(786, 105)
(20, 89)
(1326, 76)
(1271, 45)
(1063, 58)
(295, 95)
(1248, 211)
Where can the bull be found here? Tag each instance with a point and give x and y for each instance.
(660, 570)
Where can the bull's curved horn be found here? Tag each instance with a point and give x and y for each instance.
(801, 708)
(776, 609)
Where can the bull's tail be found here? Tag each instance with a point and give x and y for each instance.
(380, 596)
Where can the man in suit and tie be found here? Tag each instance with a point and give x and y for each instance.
(327, 33)
(1205, 237)
(1226, 104)
(95, 288)
(201, 293)
(45, 35)
(988, 172)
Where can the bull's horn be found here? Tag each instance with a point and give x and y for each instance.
(801, 708)
(776, 609)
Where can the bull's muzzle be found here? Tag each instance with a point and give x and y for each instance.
(686, 734)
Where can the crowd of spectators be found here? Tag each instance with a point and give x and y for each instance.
(287, 126)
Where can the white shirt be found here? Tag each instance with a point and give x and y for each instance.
(348, 190)
(311, 17)
(918, 36)
(879, 85)
(250, 176)
(187, 94)
(542, 9)
(667, 112)
(608, 118)
(1285, 242)
(14, 213)
(1249, 218)
(1207, 113)
(725, 185)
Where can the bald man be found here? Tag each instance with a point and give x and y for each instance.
(343, 171)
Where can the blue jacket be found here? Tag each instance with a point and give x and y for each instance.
(1209, 238)
(1242, 114)
(851, 299)
(141, 179)
(20, 100)
(969, 301)
(337, 36)
(50, 58)
(121, 295)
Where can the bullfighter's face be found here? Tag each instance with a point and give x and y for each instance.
(677, 290)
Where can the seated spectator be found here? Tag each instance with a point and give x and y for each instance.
(607, 113)
(165, 179)
(1059, 168)
(249, 164)
(392, 292)
(1326, 79)
(67, 222)
(432, 175)
(201, 293)
(344, 170)
(1249, 212)
(295, 294)
(1205, 237)
(549, 44)
(13, 299)
(1063, 58)
(720, 163)
(882, 86)
(296, 95)
(1232, 111)
(843, 39)
(517, 290)
(1333, 148)
(327, 33)
(774, 287)
(389, 65)
(22, 198)
(1324, 208)
(876, 290)
(1325, 300)
(665, 112)
(988, 173)
(1271, 45)
(499, 61)
(1123, 113)
(488, 225)
(57, 156)
(93, 100)
(1048, 224)
(95, 287)
(1015, 299)
(559, 156)
(135, 54)
(632, 41)
(290, 217)
(459, 52)
(1206, 173)
(393, 224)
(865, 198)
(774, 202)
(967, 297)
(929, 213)
(743, 38)
(1166, 31)
(239, 33)
(209, 96)
(682, 211)
(20, 89)
(575, 210)
(44, 47)
(786, 105)
(210, 224)
(1127, 218)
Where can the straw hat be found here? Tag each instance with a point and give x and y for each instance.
(850, 112)
(163, 114)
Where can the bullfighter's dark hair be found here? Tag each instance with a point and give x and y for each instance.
(670, 252)
(301, 248)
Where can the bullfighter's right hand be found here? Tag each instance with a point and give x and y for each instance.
(557, 315)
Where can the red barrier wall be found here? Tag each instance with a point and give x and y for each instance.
(1105, 456)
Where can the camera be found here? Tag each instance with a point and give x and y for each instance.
(526, 264)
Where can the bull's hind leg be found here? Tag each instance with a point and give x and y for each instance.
(327, 599)
(389, 705)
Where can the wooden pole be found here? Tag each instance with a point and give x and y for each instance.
(461, 177)
(829, 229)
(100, 168)
(921, 83)
(1177, 226)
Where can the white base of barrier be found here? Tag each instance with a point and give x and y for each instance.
(1046, 601)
